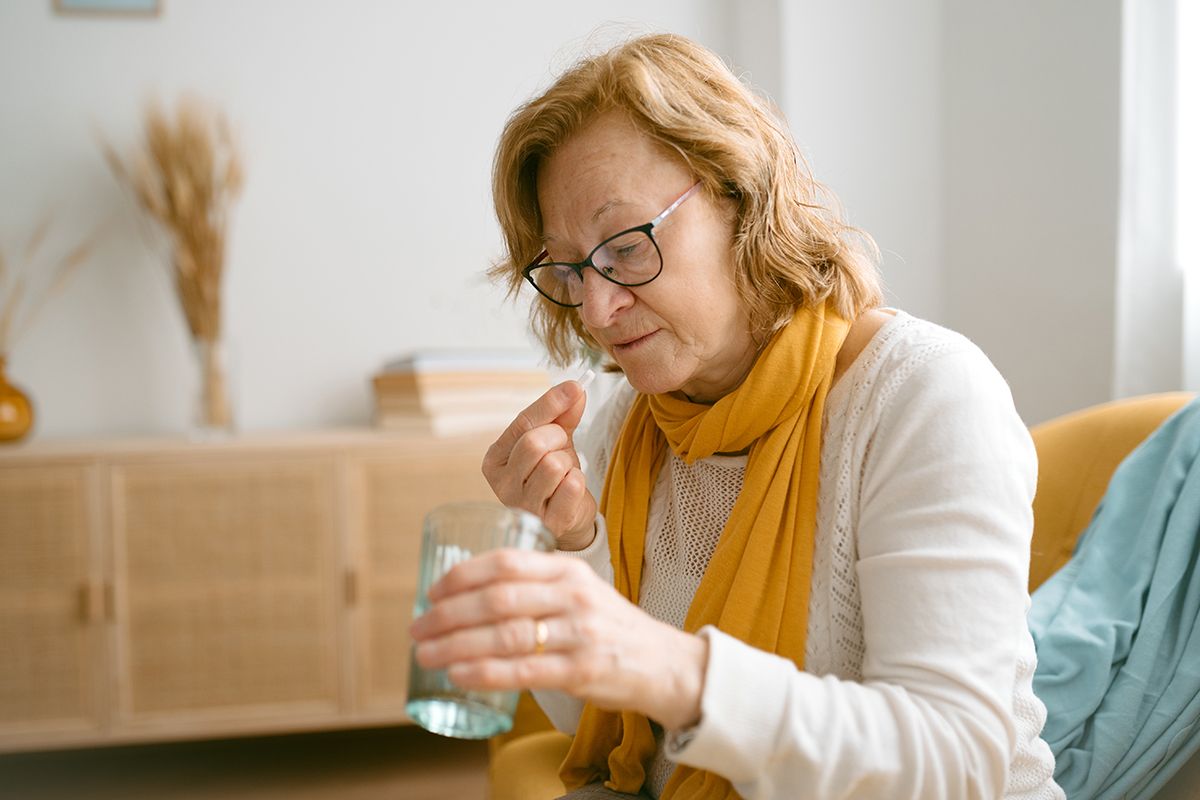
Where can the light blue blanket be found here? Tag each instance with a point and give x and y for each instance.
(1118, 628)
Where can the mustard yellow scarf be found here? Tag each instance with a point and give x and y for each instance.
(757, 583)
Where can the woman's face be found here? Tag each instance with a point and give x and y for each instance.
(685, 331)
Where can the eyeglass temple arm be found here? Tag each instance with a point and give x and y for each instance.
(666, 213)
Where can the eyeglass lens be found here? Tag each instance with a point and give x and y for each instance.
(628, 259)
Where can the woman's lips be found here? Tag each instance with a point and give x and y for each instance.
(633, 344)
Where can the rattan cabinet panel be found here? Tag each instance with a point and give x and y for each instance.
(228, 585)
(397, 492)
(51, 647)
(160, 589)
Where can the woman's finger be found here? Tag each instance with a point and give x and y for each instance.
(544, 480)
(515, 637)
(546, 671)
(509, 481)
(560, 400)
(532, 448)
(492, 604)
(505, 564)
(570, 418)
(568, 507)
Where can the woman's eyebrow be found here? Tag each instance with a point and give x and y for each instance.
(607, 207)
(596, 215)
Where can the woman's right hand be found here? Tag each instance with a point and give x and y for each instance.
(534, 466)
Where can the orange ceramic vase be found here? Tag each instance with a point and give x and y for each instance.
(16, 412)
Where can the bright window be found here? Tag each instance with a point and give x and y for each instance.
(1187, 136)
(1187, 180)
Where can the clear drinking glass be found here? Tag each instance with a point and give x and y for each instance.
(453, 533)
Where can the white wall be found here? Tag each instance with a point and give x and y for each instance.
(861, 84)
(1032, 115)
(978, 143)
(368, 130)
(863, 89)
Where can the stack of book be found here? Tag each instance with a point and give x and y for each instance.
(445, 393)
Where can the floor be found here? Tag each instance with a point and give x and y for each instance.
(394, 763)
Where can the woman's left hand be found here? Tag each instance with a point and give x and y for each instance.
(511, 619)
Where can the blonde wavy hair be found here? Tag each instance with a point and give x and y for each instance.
(790, 245)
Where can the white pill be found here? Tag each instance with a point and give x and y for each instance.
(585, 380)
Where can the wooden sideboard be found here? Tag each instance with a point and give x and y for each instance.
(166, 589)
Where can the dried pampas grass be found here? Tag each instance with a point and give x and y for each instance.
(186, 175)
(16, 316)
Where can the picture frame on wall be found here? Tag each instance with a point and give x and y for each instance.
(131, 8)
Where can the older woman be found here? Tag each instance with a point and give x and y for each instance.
(795, 563)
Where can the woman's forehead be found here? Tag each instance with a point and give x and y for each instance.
(589, 161)
(610, 143)
(553, 213)
(604, 168)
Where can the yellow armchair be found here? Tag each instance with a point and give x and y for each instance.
(1077, 455)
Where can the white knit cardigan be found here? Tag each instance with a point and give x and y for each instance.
(918, 660)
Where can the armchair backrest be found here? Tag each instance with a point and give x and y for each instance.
(1077, 455)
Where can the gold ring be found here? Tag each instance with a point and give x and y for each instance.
(541, 632)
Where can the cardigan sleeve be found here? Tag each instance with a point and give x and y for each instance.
(943, 529)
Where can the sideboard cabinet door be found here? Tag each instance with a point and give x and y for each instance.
(228, 590)
(394, 493)
(52, 655)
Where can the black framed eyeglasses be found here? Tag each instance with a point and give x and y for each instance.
(629, 258)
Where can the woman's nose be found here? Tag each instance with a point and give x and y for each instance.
(602, 300)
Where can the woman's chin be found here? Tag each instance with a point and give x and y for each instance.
(650, 382)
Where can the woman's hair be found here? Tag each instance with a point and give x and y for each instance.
(789, 248)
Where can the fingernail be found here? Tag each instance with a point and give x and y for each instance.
(585, 380)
